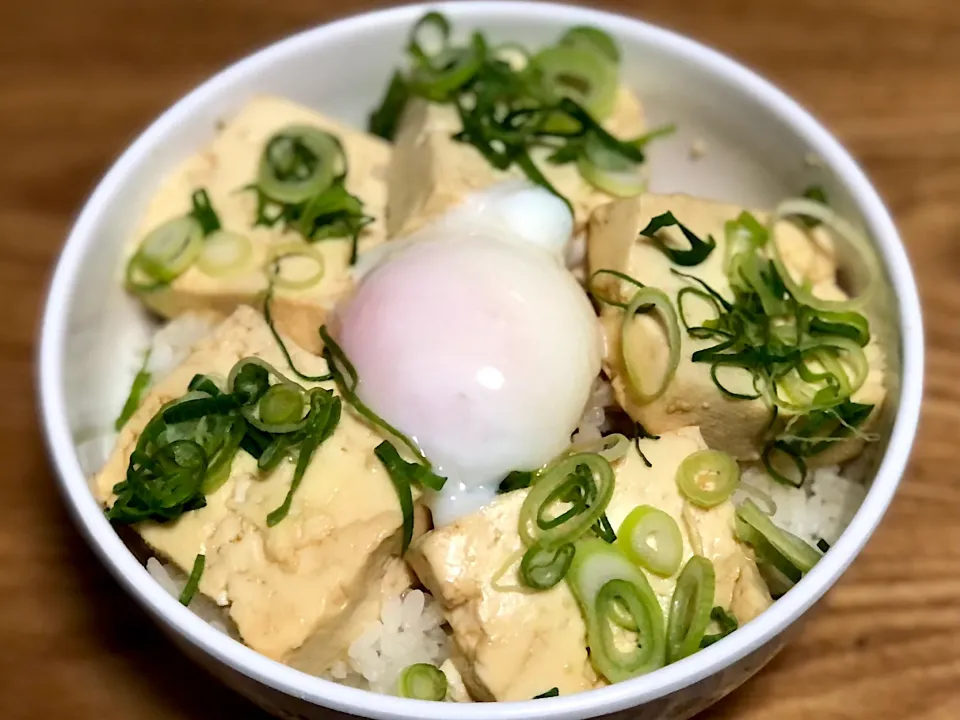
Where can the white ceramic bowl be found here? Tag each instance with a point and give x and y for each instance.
(758, 145)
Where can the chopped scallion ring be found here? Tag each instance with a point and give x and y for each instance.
(225, 254)
(423, 681)
(708, 477)
(610, 171)
(608, 586)
(567, 498)
(299, 162)
(790, 555)
(291, 253)
(594, 39)
(652, 540)
(167, 251)
(581, 74)
(690, 608)
(541, 568)
(656, 300)
(866, 261)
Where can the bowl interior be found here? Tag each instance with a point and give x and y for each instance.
(758, 150)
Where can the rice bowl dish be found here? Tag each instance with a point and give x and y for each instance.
(457, 410)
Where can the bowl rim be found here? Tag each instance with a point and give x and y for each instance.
(166, 610)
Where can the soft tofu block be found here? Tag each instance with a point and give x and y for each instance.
(431, 172)
(228, 165)
(733, 425)
(300, 591)
(512, 645)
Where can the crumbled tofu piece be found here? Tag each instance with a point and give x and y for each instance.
(224, 168)
(733, 425)
(514, 645)
(431, 172)
(303, 590)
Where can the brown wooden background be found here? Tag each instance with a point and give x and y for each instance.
(79, 78)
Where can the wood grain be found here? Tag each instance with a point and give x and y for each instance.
(79, 79)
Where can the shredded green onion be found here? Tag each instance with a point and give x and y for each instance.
(652, 540)
(607, 585)
(402, 475)
(790, 555)
(203, 212)
(708, 477)
(541, 568)
(516, 480)
(423, 681)
(193, 582)
(698, 251)
(690, 608)
(726, 622)
(141, 383)
(644, 300)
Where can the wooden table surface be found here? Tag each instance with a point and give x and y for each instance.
(78, 79)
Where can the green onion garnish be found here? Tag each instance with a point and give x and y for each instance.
(141, 384)
(300, 183)
(551, 100)
(165, 254)
(552, 692)
(345, 376)
(608, 586)
(698, 251)
(690, 608)
(203, 212)
(645, 300)
(541, 568)
(402, 475)
(652, 540)
(727, 623)
(267, 316)
(567, 498)
(823, 545)
(186, 450)
(193, 582)
(423, 681)
(817, 194)
(708, 477)
(787, 553)
(516, 480)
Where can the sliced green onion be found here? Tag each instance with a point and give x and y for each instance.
(652, 540)
(865, 261)
(594, 291)
(541, 568)
(225, 254)
(325, 409)
(727, 622)
(851, 325)
(167, 251)
(605, 584)
(268, 318)
(708, 477)
(429, 36)
(593, 38)
(657, 300)
(141, 383)
(698, 251)
(690, 608)
(516, 480)
(582, 75)
(610, 171)
(817, 194)
(299, 162)
(384, 120)
(783, 464)
(583, 496)
(281, 409)
(552, 692)
(822, 545)
(611, 447)
(287, 251)
(783, 550)
(423, 681)
(399, 471)
(193, 582)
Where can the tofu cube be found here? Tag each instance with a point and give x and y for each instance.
(224, 168)
(512, 645)
(734, 425)
(431, 172)
(299, 592)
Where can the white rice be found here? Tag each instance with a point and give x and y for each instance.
(594, 415)
(821, 509)
(173, 342)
